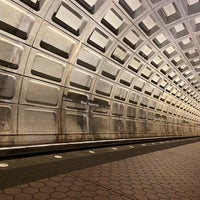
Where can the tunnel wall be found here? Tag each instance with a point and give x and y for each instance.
(95, 70)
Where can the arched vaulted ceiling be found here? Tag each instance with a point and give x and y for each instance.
(76, 70)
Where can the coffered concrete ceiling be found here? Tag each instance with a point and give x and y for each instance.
(87, 70)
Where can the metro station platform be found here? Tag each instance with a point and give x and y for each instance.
(156, 170)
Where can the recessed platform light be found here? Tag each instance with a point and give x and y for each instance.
(58, 156)
(92, 152)
(3, 165)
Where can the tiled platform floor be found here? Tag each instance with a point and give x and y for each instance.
(166, 174)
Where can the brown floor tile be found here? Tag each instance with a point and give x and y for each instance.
(30, 190)
(74, 194)
(12, 191)
(6, 197)
(43, 196)
(46, 189)
(169, 174)
(37, 184)
(58, 195)
(22, 196)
